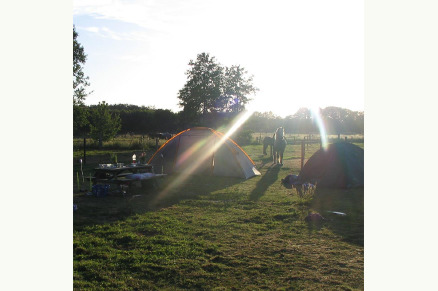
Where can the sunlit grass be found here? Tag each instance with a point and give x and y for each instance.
(221, 233)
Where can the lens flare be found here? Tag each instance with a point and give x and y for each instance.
(316, 114)
(192, 164)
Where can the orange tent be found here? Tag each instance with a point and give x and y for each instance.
(203, 151)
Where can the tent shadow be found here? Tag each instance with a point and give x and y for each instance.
(115, 207)
(267, 179)
(191, 188)
(348, 201)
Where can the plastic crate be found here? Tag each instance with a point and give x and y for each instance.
(100, 190)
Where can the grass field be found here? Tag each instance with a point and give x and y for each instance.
(216, 233)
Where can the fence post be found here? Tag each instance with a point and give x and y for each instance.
(156, 143)
(85, 154)
(303, 151)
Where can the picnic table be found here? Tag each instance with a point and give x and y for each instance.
(112, 173)
(125, 176)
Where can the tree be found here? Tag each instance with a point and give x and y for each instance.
(336, 118)
(80, 120)
(304, 121)
(203, 88)
(212, 89)
(80, 81)
(104, 126)
(237, 87)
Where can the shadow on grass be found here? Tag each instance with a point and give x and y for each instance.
(264, 159)
(268, 178)
(351, 202)
(116, 207)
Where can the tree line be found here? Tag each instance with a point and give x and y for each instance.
(145, 120)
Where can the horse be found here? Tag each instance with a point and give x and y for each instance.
(279, 146)
(268, 141)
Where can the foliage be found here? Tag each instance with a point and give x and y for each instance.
(104, 125)
(212, 88)
(336, 120)
(80, 81)
(81, 123)
(243, 137)
(147, 120)
(203, 89)
(264, 122)
(141, 119)
(237, 88)
(340, 120)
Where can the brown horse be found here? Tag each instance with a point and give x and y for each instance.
(279, 146)
(268, 141)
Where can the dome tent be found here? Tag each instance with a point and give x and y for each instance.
(203, 151)
(341, 165)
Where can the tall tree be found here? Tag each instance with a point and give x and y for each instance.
(213, 89)
(237, 88)
(80, 81)
(203, 88)
(104, 126)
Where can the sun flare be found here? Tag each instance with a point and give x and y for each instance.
(316, 114)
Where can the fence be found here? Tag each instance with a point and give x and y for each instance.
(134, 142)
(306, 140)
(143, 142)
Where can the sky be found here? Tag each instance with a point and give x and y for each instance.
(301, 53)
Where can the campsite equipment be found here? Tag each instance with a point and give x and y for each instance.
(90, 183)
(337, 213)
(341, 165)
(82, 172)
(203, 151)
(77, 179)
(100, 190)
(83, 178)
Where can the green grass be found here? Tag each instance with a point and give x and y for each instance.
(216, 233)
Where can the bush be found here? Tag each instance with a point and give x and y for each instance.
(243, 137)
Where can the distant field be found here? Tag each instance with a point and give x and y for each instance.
(214, 233)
